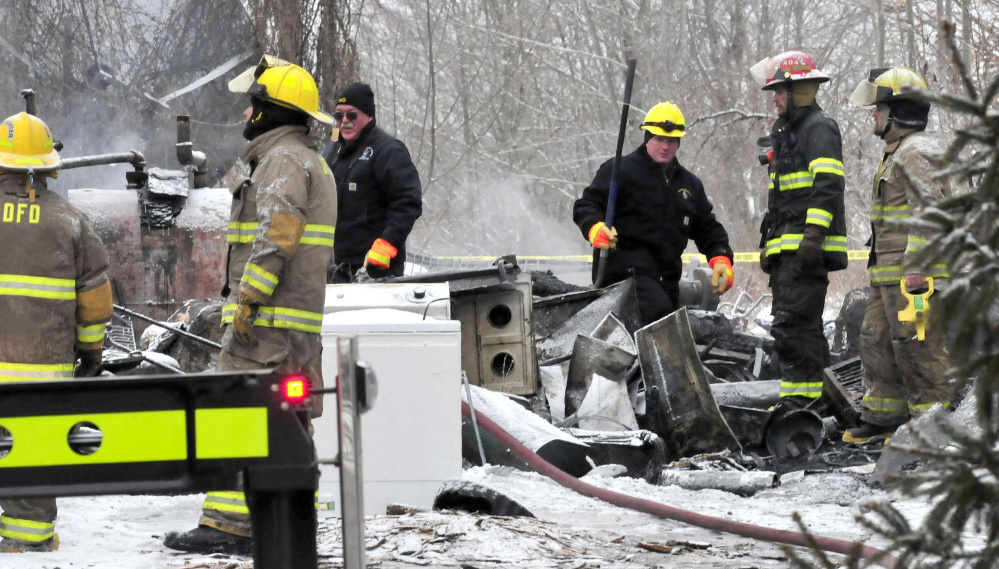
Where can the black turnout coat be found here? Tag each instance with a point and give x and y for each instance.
(658, 210)
(378, 194)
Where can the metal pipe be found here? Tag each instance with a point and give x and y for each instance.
(133, 157)
(475, 422)
(878, 556)
(187, 155)
(29, 102)
(184, 333)
(351, 463)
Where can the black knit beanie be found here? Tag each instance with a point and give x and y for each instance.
(358, 95)
(649, 136)
(267, 116)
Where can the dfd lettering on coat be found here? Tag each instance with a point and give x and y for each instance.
(21, 213)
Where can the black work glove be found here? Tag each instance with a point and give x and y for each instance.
(90, 363)
(765, 262)
(810, 249)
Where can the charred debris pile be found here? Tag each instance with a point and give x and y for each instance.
(690, 399)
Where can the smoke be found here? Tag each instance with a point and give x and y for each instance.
(101, 67)
(499, 217)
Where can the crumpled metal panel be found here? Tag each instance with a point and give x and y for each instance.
(592, 356)
(619, 299)
(613, 331)
(678, 395)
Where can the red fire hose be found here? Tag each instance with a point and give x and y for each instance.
(880, 557)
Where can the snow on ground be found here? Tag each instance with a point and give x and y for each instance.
(571, 531)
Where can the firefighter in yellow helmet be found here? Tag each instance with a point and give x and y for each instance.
(280, 243)
(903, 376)
(803, 234)
(660, 206)
(55, 297)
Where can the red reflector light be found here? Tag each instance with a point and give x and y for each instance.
(295, 389)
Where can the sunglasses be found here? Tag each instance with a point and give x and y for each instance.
(339, 115)
(668, 126)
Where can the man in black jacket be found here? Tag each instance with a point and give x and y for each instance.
(378, 191)
(804, 230)
(660, 206)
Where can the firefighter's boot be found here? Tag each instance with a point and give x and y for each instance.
(8, 545)
(869, 433)
(204, 539)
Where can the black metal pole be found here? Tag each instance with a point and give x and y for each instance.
(183, 333)
(612, 198)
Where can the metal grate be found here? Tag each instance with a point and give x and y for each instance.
(121, 332)
(850, 375)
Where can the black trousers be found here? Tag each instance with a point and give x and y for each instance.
(799, 295)
(656, 299)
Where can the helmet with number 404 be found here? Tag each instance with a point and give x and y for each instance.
(786, 68)
(26, 145)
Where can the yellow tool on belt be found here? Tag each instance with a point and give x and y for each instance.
(918, 311)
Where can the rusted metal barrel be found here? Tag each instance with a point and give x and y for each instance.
(155, 270)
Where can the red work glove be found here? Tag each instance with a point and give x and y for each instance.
(601, 237)
(381, 254)
(722, 275)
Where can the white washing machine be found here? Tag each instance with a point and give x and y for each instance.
(411, 438)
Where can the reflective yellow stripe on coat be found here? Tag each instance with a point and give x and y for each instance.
(37, 287)
(791, 241)
(897, 212)
(317, 234)
(246, 232)
(277, 317)
(895, 273)
(90, 334)
(10, 371)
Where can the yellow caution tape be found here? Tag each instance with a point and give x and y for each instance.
(741, 257)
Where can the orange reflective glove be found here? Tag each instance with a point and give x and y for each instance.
(722, 275)
(601, 237)
(381, 254)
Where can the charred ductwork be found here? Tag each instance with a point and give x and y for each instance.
(188, 156)
(163, 198)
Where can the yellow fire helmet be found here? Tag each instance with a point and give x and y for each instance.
(665, 119)
(26, 144)
(887, 84)
(282, 83)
